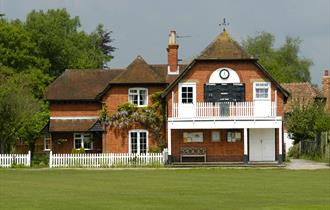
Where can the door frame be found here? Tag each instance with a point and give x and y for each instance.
(272, 141)
(182, 106)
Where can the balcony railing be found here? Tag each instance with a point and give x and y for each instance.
(225, 110)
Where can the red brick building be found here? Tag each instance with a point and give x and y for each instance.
(222, 106)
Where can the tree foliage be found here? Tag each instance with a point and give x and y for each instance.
(306, 121)
(17, 50)
(283, 63)
(33, 53)
(60, 41)
(22, 115)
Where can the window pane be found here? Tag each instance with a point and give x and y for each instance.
(134, 142)
(77, 143)
(143, 142)
(87, 145)
(143, 100)
(133, 91)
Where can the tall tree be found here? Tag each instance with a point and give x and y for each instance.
(19, 110)
(283, 63)
(17, 49)
(60, 40)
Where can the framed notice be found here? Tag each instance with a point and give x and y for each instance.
(192, 137)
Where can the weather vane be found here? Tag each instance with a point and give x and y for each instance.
(224, 24)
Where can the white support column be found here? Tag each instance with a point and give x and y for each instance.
(280, 135)
(245, 158)
(169, 141)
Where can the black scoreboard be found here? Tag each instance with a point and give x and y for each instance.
(224, 92)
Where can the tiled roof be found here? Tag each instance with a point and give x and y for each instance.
(79, 125)
(82, 84)
(91, 84)
(224, 47)
(139, 72)
(301, 93)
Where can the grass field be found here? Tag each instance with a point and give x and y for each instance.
(204, 189)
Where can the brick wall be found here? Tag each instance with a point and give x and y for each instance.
(246, 70)
(74, 109)
(216, 151)
(117, 140)
(68, 145)
(222, 151)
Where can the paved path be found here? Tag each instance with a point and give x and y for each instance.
(299, 164)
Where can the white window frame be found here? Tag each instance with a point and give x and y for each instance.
(187, 84)
(138, 89)
(82, 140)
(255, 84)
(47, 138)
(138, 131)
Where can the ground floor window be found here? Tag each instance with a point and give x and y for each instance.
(83, 140)
(47, 139)
(138, 141)
(234, 135)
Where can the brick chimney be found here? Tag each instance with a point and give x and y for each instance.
(325, 89)
(172, 54)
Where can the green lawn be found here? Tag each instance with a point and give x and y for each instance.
(164, 189)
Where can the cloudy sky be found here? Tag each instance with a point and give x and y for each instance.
(141, 27)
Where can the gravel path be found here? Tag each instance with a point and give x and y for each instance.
(299, 164)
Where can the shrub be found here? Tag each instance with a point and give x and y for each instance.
(78, 151)
(294, 151)
(40, 160)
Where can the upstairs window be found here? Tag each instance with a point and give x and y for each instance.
(261, 90)
(138, 96)
(187, 93)
(83, 140)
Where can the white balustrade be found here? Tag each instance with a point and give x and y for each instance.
(224, 110)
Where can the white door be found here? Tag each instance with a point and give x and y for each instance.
(262, 144)
(187, 100)
(262, 99)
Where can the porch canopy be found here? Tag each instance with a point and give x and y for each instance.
(77, 125)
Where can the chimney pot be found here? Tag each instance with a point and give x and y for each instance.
(326, 72)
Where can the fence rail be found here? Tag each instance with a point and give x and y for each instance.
(9, 160)
(106, 160)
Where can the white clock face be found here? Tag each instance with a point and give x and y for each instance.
(224, 73)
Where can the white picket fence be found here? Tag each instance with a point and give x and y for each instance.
(106, 160)
(9, 160)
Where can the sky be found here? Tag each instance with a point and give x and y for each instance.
(142, 27)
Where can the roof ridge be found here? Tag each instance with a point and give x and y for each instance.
(230, 49)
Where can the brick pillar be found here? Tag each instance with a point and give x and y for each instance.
(325, 89)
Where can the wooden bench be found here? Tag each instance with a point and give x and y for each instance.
(193, 152)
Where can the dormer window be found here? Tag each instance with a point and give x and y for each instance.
(138, 96)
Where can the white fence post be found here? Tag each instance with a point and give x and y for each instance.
(50, 159)
(29, 159)
(165, 156)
